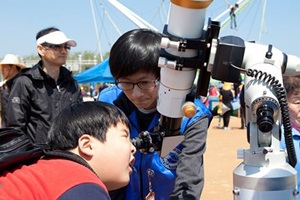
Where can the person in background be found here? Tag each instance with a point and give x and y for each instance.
(40, 93)
(232, 15)
(213, 96)
(237, 87)
(292, 87)
(242, 107)
(90, 154)
(213, 91)
(220, 111)
(10, 67)
(226, 97)
(92, 89)
(180, 174)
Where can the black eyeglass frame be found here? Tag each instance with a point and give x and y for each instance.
(155, 84)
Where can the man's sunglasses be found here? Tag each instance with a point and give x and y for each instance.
(57, 47)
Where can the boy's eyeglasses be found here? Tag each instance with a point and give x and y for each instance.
(144, 85)
(57, 47)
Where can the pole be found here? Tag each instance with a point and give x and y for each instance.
(96, 29)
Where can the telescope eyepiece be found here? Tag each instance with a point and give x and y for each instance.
(265, 118)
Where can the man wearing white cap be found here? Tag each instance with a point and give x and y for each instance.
(43, 91)
(10, 68)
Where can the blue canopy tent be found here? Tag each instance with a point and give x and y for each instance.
(99, 73)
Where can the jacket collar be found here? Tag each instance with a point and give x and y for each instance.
(37, 72)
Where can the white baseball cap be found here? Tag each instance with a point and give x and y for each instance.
(56, 37)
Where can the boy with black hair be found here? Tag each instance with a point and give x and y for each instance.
(179, 175)
(91, 153)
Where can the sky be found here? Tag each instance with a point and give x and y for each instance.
(96, 24)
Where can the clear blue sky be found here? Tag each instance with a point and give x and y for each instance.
(21, 20)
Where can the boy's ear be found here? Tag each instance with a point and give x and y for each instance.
(85, 145)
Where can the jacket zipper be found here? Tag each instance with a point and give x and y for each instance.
(57, 86)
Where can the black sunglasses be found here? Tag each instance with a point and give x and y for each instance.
(57, 47)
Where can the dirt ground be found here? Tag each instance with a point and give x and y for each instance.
(221, 159)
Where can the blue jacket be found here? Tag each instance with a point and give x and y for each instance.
(163, 181)
(296, 140)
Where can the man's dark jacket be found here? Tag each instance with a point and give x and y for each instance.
(36, 99)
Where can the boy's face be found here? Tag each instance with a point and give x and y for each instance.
(294, 108)
(114, 158)
(146, 99)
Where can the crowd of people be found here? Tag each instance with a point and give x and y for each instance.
(94, 138)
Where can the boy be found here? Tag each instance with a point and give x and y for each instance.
(90, 153)
(134, 65)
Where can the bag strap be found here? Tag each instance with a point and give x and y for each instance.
(16, 149)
